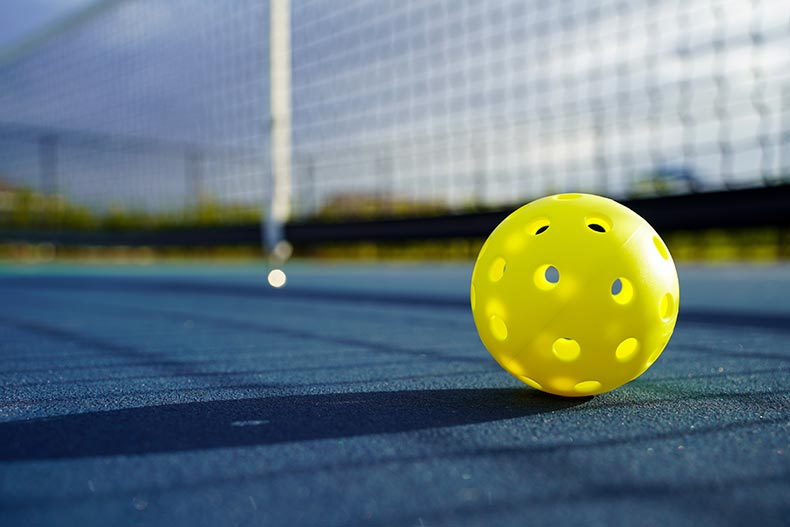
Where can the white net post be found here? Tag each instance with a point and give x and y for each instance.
(280, 100)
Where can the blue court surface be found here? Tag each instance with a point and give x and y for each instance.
(361, 395)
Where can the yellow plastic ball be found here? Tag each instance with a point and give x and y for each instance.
(575, 294)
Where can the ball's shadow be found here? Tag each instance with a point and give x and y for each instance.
(262, 421)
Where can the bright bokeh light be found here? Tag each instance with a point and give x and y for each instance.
(277, 278)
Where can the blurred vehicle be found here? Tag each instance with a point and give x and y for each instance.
(667, 179)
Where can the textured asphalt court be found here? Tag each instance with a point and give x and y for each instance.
(361, 395)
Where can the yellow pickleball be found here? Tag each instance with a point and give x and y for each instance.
(575, 294)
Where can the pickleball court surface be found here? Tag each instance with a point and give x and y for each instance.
(360, 394)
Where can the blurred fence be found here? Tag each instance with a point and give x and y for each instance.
(399, 107)
(141, 106)
(111, 169)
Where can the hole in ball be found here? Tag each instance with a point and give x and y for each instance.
(532, 382)
(587, 387)
(666, 307)
(498, 327)
(598, 223)
(497, 269)
(566, 349)
(622, 291)
(627, 349)
(538, 226)
(546, 277)
(661, 248)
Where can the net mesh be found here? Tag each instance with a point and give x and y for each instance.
(400, 106)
